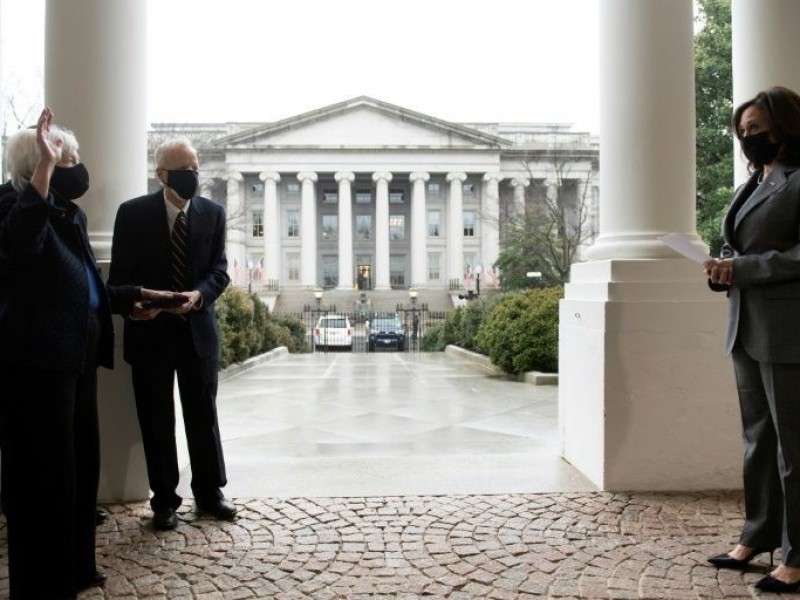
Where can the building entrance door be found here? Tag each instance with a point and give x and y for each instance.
(364, 276)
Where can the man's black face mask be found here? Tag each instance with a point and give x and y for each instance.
(184, 182)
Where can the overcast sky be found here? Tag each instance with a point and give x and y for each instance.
(262, 60)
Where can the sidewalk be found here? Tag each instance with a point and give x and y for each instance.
(398, 477)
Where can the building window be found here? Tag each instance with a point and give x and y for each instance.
(469, 223)
(330, 271)
(434, 270)
(257, 189)
(397, 271)
(293, 189)
(433, 189)
(434, 223)
(363, 227)
(293, 223)
(397, 227)
(293, 266)
(396, 196)
(469, 261)
(330, 196)
(363, 196)
(258, 223)
(468, 190)
(330, 227)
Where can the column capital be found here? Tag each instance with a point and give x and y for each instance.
(344, 176)
(493, 176)
(520, 182)
(235, 176)
(419, 176)
(307, 176)
(458, 176)
(382, 176)
(269, 175)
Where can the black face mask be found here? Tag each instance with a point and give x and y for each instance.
(759, 150)
(69, 183)
(184, 182)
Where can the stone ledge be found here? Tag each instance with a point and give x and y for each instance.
(484, 363)
(254, 361)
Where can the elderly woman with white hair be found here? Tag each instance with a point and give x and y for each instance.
(55, 329)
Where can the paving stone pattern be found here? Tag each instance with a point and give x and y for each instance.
(568, 545)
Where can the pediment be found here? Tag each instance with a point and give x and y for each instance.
(362, 123)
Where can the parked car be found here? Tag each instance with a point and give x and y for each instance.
(333, 331)
(386, 331)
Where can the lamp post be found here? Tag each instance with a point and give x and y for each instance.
(414, 311)
(477, 272)
(316, 310)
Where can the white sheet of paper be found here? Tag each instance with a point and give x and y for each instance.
(681, 244)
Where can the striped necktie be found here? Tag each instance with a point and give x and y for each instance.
(179, 253)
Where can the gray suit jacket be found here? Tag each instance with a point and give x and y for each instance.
(762, 235)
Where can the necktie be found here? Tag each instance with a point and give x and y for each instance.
(179, 253)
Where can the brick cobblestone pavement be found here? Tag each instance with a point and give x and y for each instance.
(555, 545)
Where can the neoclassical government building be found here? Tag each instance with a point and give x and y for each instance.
(365, 193)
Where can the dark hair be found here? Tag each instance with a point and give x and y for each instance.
(782, 108)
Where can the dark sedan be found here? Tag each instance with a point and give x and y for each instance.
(386, 331)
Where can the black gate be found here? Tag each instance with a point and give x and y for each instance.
(361, 334)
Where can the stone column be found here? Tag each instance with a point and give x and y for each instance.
(96, 83)
(764, 37)
(236, 214)
(419, 233)
(520, 185)
(345, 180)
(207, 187)
(644, 391)
(455, 227)
(272, 227)
(382, 179)
(308, 228)
(490, 219)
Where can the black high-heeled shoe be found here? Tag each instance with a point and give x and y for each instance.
(726, 561)
(769, 584)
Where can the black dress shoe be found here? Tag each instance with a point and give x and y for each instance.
(165, 519)
(219, 508)
(769, 584)
(97, 580)
(100, 515)
(726, 561)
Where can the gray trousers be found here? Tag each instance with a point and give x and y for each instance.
(769, 396)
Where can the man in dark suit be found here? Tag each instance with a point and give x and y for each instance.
(173, 239)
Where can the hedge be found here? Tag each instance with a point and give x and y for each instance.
(246, 328)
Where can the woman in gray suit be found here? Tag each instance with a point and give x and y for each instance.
(760, 270)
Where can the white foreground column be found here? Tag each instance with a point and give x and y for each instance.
(490, 219)
(308, 228)
(419, 233)
(646, 399)
(455, 227)
(382, 179)
(272, 227)
(345, 180)
(765, 47)
(95, 82)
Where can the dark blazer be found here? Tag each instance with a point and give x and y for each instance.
(140, 255)
(762, 232)
(44, 288)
